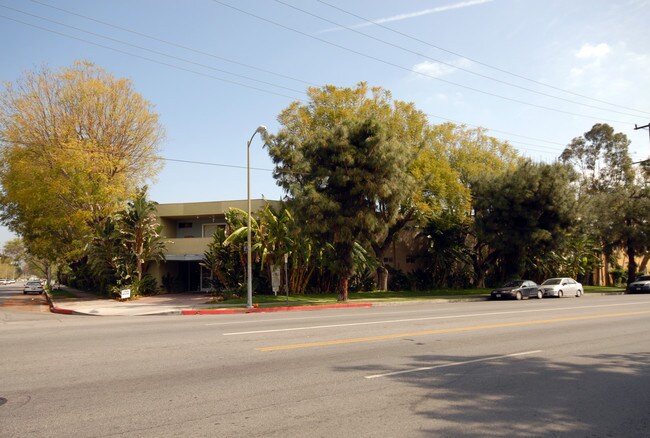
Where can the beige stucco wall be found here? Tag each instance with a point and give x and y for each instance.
(189, 209)
(196, 245)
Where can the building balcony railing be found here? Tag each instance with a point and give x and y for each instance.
(188, 245)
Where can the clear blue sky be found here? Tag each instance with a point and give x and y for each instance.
(215, 73)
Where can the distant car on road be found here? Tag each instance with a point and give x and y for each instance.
(640, 285)
(561, 287)
(33, 287)
(517, 289)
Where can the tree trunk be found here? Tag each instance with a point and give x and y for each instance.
(343, 289)
(479, 272)
(644, 263)
(608, 277)
(382, 278)
(631, 262)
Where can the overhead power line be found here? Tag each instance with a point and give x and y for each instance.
(148, 59)
(157, 157)
(205, 163)
(173, 44)
(390, 29)
(234, 82)
(156, 52)
(457, 67)
(401, 67)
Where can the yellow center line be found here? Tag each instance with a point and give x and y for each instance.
(449, 330)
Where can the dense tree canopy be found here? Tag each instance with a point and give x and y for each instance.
(125, 243)
(601, 157)
(75, 143)
(352, 181)
(613, 193)
(431, 184)
(525, 212)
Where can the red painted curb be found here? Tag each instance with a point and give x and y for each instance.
(272, 309)
(61, 311)
(213, 312)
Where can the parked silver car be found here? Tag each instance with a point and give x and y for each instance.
(561, 287)
(641, 284)
(33, 287)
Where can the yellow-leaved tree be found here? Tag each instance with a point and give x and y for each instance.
(75, 145)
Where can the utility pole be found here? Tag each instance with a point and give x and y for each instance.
(636, 128)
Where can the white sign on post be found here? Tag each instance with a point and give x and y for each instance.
(275, 279)
(125, 293)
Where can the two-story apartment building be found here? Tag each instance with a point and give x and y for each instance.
(188, 228)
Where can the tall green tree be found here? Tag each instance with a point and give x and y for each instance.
(346, 185)
(430, 183)
(126, 243)
(602, 158)
(454, 241)
(614, 194)
(141, 233)
(525, 212)
(74, 145)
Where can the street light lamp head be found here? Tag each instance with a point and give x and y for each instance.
(261, 129)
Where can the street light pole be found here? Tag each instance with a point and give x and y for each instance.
(249, 251)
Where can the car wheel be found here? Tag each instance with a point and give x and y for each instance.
(24, 293)
(518, 296)
(539, 295)
(579, 293)
(560, 294)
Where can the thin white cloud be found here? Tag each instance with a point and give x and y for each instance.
(597, 51)
(608, 72)
(401, 17)
(437, 69)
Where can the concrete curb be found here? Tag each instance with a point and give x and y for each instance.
(231, 311)
(55, 309)
(272, 309)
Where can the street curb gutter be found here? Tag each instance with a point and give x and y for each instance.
(272, 309)
(55, 309)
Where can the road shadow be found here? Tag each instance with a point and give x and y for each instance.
(606, 395)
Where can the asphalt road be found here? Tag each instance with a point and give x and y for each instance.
(552, 367)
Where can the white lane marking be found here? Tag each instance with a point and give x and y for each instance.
(291, 319)
(268, 317)
(427, 318)
(452, 364)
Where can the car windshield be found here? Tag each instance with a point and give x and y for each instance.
(33, 283)
(643, 278)
(514, 283)
(552, 281)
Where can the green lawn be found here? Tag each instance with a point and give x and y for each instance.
(60, 293)
(306, 300)
(601, 289)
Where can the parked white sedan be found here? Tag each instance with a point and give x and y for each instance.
(561, 287)
(33, 287)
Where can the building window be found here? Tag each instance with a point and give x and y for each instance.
(388, 260)
(410, 259)
(185, 225)
(209, 229)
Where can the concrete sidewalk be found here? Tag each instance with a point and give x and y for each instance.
(89, 304)
(168, 304)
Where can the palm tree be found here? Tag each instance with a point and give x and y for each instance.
(140, 234)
